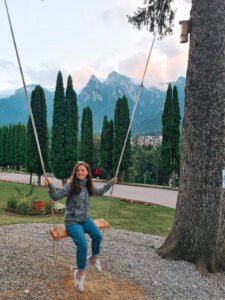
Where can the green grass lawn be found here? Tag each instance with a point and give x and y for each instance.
(134, 217)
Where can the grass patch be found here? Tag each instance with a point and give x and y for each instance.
(134, 217)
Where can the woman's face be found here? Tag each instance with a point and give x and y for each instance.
(81, 172)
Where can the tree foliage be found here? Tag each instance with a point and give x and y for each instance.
(58, 158)
(71, 136)
(149, 15)
(171, 134)
(87, 146)
(106, 146)
(38, 106)
(121, 124)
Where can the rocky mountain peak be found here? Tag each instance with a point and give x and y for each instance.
(116, 79)
(94, 82)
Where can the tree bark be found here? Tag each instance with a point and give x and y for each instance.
(199, 228)
(30, 178)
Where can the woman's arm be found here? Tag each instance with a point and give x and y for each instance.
(106, 187)
(57, 195)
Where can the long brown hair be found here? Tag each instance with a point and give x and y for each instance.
(75, 184)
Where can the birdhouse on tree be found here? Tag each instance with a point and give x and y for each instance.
(185, 29)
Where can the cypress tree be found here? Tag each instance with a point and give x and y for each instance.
(1, 144)
(13, 146)
(19, 147)
(87, 145)
(4, 147)
(121, 124)
(38, 105)
(167, 131)
(58, 159)
(176, 132)
(171, 134)
(9, 146)
(106, 146)
(82, 145)
(16, 147)
(71, 138)
(96, 153)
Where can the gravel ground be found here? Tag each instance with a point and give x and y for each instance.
(27, 269)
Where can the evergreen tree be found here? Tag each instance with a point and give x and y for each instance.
(19, 147)
(106, 146)
(167, 132)
(38, 106)
(176, 132)
(171, 134)
(13, 147)
(121, 124)
(58, 159)
(87, 146)
(71, 137)
(4, 147)
(9, 146)
(1, 146)
(82, 145)
(96, 153)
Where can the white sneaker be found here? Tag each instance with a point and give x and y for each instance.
(95, 263)
(79, 281)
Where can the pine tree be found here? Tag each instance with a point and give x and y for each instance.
(82, 145)
(87, 146)
(121, 124)
(171, 134)
(71, 137)
(176, 132)
(1, 146)
(106, 146)
(4, 147)
(38, 106)
(9, 146)
(167, 132)
(19, 147)
(96, 153)
(13, 147)
(58, 159)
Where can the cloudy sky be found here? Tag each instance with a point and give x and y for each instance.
(82, 38)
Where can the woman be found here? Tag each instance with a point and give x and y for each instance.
(77, 217)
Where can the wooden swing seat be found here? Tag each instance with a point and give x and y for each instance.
(60, 232)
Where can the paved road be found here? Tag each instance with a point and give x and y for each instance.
(162, 197)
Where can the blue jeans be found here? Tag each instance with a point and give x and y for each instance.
(77, 233)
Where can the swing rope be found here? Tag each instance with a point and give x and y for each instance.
(135, 106)
(29, 106)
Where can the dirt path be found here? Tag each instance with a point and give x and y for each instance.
(103, 286)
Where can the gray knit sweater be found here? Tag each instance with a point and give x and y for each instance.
(77, 209)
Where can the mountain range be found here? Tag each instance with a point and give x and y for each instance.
(101, 97)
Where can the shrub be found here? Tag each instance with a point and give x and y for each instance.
(48, 209)
(23, 207)
(12, 202)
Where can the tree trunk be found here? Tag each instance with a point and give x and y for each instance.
(39, 180)
(30, 179)
(199, 228)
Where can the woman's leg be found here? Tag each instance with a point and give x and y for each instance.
(76, 231)
(91, 228)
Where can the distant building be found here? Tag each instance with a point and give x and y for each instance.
(146, 140)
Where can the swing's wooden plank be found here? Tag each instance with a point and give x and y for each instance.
(60, 232)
